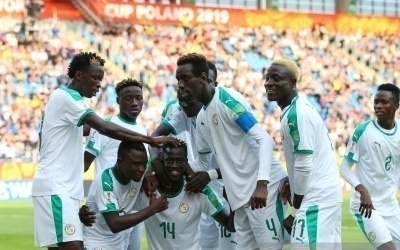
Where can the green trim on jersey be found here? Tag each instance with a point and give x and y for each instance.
(110, 208)
(56, 207)
(280, 213)
(383, 132)
(116, 177)
(169, 104)
(290, 106)
(106, 180)
(73, 93)
(90, 146)
(108, 119)
(128, 122)
(231, 102)
(356, 136)
(294, 128)
(361, 224)
(88, 111)
(312, 226)
(166, 122)
(179, 108)
(212, 198)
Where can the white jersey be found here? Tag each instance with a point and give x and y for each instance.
(303, 131)
(105, 148)
(60, 169)
(108, 194)
(222, 127)
(178, 226)
(376, 152)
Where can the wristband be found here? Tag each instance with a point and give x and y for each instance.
(213, 174)
(294, 211)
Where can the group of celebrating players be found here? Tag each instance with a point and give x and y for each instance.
(213, 184)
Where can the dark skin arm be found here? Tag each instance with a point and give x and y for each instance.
(119, 133)
(226, 219)
(365, 201)
(118, 223)
(88, 160)
(86, 130)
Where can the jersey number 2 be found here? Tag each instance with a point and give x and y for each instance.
(388, 161)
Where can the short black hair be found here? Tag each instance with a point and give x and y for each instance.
(199, 63)
(213, 68)
(126, 146)
(127, 83)
(391, 88)
(82, 61)
(167, 147)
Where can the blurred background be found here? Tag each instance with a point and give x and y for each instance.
(345, 49)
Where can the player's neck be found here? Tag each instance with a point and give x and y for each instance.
(127, 118)
(172, 189)
(387, 124)
(207, 95)
(120, 176)
(287, 101)
(74, 86)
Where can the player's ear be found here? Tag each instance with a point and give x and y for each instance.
(203, 77)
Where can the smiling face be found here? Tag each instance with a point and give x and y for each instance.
(175, 162)
(278, 83)
(385, 105)
(130, 100)
(188, 83)
(90, 79)
(133, 164)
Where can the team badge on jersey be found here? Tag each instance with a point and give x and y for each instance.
(69, 229)
(133, 192)
(215, 120)
(183, 207)
(372, 236)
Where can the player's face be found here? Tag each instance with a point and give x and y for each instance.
(277, 83)
(134, 165)
(91, 79)
(131, 101)
(211, 75)
(384, 105)
(175, 161)
(192, 108)
(188, 83)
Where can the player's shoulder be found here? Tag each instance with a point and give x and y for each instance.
(68, 94)
(360, 130)
(232, 100)
(171, 105)
(105, 180)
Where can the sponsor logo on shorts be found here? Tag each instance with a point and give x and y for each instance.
(70, 229)
(183, 207)
(215, 120)
(372, 236)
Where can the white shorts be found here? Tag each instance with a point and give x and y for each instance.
(262, 228)
(56, 220)
(317, 227)
(380, 229)
(135, 237)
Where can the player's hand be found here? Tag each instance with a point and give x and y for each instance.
(158, 204)
(87, 217)
(150, 184)
(160, 141)
(197, 182)
(259, 197)
(366, 205)
(286, 195)
(288, 223)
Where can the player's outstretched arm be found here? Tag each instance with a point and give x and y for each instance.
(226, 219)
(118, 223)
(119, 133)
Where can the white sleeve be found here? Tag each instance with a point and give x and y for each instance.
(202, 163)
(266, 147)
(95, 142)
(74, 108)
(347, 173)
(302, 173)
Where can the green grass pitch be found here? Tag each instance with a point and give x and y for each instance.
(16, 227)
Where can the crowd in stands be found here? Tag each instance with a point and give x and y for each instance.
(338, 79)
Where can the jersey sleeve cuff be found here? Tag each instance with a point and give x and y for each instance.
(110, 208)
(92, 151)
(166, 122)
(220, 208)
(88, 111)
(349, 158)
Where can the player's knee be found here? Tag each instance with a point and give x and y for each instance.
(71, 245)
